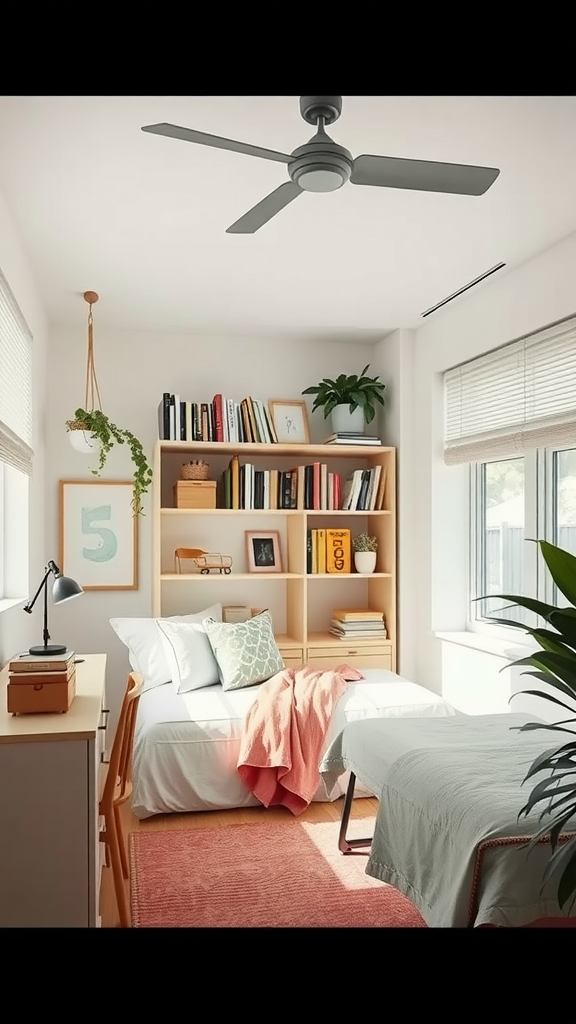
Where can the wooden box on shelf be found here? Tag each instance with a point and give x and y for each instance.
(34, 693)
(195, 494)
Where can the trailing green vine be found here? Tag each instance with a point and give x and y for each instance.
(108, 434)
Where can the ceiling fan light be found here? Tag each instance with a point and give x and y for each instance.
(320, 178)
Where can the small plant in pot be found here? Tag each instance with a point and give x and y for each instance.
(104, 435)
(365, 549)
(350, 400)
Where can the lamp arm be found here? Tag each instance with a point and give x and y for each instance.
(28, 607)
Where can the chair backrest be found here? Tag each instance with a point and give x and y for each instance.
(120, 765)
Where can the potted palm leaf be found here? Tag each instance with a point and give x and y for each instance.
(350, 400)
(553, 773)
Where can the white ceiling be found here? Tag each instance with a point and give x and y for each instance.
(142, 220)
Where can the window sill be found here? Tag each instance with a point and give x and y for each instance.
(487, 644)
(10, 602)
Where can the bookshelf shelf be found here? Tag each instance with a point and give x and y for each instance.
(301, 613)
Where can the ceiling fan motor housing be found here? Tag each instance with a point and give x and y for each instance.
(321, 165)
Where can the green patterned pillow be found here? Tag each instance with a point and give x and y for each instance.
(246, 652)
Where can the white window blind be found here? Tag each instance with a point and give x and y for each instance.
(518, 397)
(15, 384)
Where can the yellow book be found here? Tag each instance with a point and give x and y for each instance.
(314, 550)
(350, 614)
(321, 550)
(338, 547)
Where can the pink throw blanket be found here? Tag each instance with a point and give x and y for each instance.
(284, 733)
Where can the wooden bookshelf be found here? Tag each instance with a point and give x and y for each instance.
(300, 602)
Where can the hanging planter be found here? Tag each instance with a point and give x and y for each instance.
(91, 431)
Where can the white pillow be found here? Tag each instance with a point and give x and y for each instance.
(189, 655)
(145, 649)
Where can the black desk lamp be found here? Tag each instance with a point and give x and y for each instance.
(63, 589)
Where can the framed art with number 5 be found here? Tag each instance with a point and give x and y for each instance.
(99, 534)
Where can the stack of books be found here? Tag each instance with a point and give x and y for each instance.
(352, 438)
(358, 624)
(41, 684)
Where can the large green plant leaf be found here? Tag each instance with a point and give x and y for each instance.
(562, 567)
(546, 696)
(558, 665)
(540, 607)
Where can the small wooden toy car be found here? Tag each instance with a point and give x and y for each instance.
(205, 561)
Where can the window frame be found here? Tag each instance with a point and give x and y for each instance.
(540, 503)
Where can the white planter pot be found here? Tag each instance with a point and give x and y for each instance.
(83, 441)
(365, 561)
(344, 421)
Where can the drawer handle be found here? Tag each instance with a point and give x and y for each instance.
(351, 652)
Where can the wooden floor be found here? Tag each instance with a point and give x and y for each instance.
(364, 808)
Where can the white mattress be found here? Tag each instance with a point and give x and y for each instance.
(186, 745)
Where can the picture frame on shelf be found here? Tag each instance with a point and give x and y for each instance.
(98, 534)
(290, 419)
(263, 551)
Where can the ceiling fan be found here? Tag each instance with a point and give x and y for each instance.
(322, 165)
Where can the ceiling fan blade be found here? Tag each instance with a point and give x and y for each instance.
(265, 209)
(426, 175)
(174, 131)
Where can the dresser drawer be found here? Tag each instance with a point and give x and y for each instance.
(292, 657)
(358, 657)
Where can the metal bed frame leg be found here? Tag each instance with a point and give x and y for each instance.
(347, 845)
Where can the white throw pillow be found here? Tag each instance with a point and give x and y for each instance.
(144, 642)
(246, 652)
(188, 654)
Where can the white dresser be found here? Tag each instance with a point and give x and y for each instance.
(50, 771)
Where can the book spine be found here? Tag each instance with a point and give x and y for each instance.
(218, 418)
(231, 415)
(166, 416)
(338, 548)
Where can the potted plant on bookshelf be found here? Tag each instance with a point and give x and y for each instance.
(90, 430)
(350, 400)
(553, 773)
(365, 549)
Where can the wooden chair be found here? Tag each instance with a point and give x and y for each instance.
(116, 791)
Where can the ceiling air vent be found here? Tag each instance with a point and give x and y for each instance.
(464, 288)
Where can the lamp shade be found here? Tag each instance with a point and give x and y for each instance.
(64, 588)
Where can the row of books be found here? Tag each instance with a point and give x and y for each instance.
(358, 624)
(309, 487)
(306, 487)
(364, 490)
(328, 550)
(222, 419)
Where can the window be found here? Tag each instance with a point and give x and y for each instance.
(538, 489)
(15, 441)
(511, 414)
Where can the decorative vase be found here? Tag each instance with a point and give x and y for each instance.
(344, 421)
(365, 561)
(83, 441)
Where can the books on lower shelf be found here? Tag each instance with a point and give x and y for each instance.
(328, 551)
(358, 624)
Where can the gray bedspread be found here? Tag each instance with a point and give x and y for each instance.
(447, 785)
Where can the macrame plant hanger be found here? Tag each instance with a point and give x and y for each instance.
(92, 395)
(81, 438)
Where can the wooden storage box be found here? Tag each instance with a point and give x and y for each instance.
(27, 697)
(195, 494)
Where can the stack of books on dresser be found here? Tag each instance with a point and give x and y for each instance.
(45, 683)
(358, 624)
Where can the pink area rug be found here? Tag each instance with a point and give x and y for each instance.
(273, 875)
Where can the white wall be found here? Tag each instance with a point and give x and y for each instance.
(133, 371)
(394, 361)
(503, 308)
(17, 629)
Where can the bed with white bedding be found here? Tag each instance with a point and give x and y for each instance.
(186, 745)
